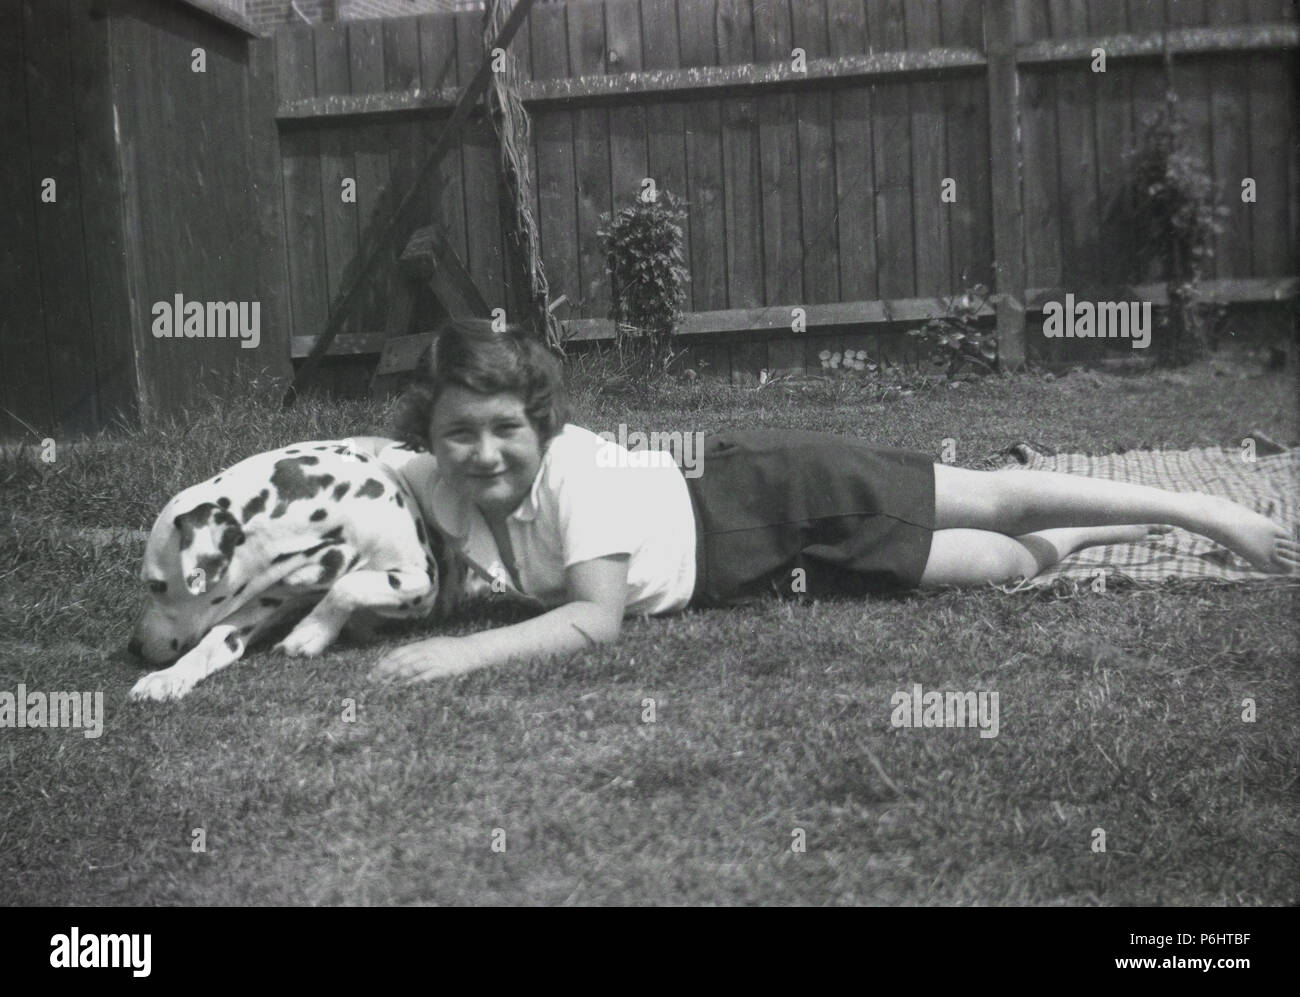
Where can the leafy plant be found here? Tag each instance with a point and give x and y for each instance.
(955, 340)
(1176, 216)
(648, 276)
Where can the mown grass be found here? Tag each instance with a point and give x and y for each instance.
(1119, 711)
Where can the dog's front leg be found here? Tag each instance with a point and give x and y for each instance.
(221, 646)
(400, 591)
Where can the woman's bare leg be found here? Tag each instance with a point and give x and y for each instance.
(1019, 502)
(976, 557)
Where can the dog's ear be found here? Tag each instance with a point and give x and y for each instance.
(208, 536)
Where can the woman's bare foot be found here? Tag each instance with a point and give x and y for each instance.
(1267, 545)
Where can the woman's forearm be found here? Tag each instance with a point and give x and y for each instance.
(563, 630)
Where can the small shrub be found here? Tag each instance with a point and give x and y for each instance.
(955, 340)
(1176, 218)
(648, 276)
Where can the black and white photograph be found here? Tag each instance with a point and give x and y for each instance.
(650, 453)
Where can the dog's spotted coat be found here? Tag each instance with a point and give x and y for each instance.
(321, 528)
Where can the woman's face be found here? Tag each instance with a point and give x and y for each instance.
(488, 446)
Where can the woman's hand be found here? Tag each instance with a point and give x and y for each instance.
(436, 657)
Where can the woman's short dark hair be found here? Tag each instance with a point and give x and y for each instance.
(471, 354)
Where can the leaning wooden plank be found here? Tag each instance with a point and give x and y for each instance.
(428, 257)
(382, 238)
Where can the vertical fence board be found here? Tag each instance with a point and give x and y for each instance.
(1113, 121)
(891, 133)
(778, 151)
(1076, 96)
(816, 154)
(1009, 219)
(587, 55)
(740, 163)
(930, 215)
(479, 153)
(665, 125)
(101, 216)
(1230, 127)
(439, 70)
(969, 219)
(64, 289)
(370, 142)
(553, 128)
(300, 158)
(627, 138)
(336, 162)
(24, 368)
(703, 127)
(855, 208)
(1272, 154)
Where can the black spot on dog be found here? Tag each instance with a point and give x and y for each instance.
(157, 586)
(329, 539)
(400, 503)
(270, 601)
(232, 641)
(330, 563)
(363, 458)
(240, 589)
(355, 558)
(394, 581)
(217, 480)
(255, 505)
(341, 490)
(189, 523)
(417, 600)
(223, 502)
(293, 451)
(318, 515)
(403, 604)
(293, 483)
(220, 598)
(371, 489)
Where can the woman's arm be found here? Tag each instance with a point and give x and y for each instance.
(597, 592)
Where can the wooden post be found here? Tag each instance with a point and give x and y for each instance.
(1004, 153)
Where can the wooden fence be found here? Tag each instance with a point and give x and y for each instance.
(814, 185)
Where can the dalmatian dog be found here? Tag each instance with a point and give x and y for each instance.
(321, 533)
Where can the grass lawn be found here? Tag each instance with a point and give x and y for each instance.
(1120, 711)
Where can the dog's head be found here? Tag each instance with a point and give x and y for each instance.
(186, 567)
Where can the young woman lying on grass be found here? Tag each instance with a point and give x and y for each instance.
(555, 512)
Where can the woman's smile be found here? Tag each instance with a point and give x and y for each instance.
(489, 445)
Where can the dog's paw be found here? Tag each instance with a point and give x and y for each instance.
(162, 685)
(308, 639)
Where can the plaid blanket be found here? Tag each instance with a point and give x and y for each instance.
(1269, 484)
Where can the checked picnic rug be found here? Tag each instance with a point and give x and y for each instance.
(1269, 485)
